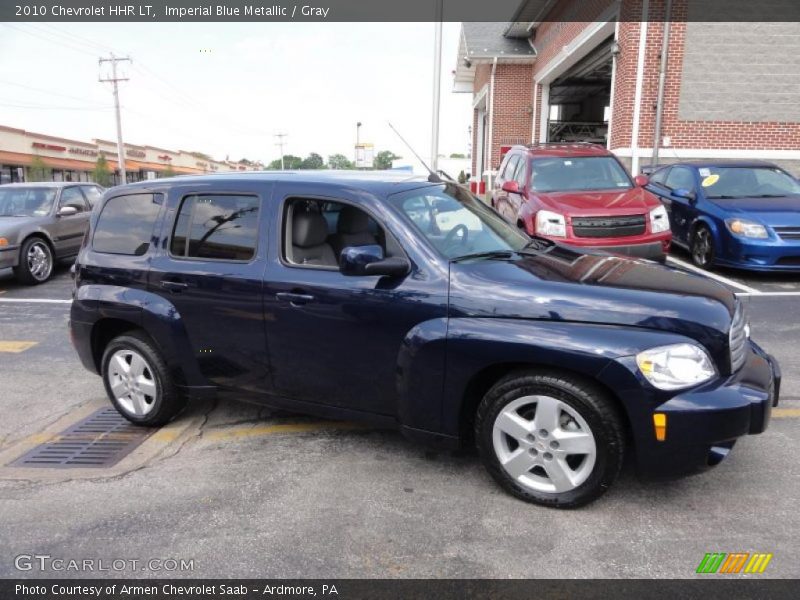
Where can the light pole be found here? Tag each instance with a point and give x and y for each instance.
(437, 83)
(358, 140)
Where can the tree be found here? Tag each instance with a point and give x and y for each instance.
(39, 171)
(457, 155)
(462, 177)
(168, 172)
(383, 160)
(200, 155)
(340, 161)
(101, 173)
(313, 161)
(246, 162)
(289, 162)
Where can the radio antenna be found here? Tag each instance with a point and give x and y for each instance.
(432, 176)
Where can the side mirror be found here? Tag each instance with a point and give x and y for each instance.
(512, 187)
(641, 180)
(684, 193)
(67, 211)
(369, 260)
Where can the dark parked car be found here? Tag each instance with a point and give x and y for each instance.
(350, 296)
(734, 214)
(580, 194)
(41, 223)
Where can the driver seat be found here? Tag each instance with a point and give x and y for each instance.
(352, 229)
(309, 232)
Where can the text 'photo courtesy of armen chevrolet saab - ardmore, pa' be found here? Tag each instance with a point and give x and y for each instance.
(362, 299)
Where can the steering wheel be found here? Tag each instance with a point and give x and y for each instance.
(451, 235)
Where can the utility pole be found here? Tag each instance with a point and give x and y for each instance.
(280, 144)
(114, 80)
(437, 84)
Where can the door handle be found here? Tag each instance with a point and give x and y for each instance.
(294, 299)
(174, 286)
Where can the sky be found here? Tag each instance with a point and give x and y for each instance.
(226, 89)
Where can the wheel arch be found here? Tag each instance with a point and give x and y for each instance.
(480, 384)
(106, 329)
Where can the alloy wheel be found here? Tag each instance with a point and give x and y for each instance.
(39, 261)
(544, 444)
(701, 249)
(132, 383)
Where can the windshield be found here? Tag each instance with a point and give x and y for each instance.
(457, 223)
(26, 202)
(747, 182)
(565, 174)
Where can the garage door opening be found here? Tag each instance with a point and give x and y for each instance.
(580, 99)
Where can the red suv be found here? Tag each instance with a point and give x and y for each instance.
(581, 195)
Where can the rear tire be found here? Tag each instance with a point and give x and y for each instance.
(138, 382)
(36, 262)
(553, 440)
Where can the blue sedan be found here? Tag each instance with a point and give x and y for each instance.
(733, 214)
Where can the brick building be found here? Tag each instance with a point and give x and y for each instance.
(590, 70)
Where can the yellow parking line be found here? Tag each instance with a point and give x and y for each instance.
(786, 413)
(16, 346)
(246, 432)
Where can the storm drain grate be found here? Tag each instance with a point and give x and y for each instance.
(100, 440)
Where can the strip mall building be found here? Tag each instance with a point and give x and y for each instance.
(591, 70)
(73, 160)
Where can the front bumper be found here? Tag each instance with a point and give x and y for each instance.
(759, 255)
(703, 423)
(9, 257)
(651, 246)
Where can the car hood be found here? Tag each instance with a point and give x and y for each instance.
(564, 284)
(770, 211)
(634, 201)
(10, 225)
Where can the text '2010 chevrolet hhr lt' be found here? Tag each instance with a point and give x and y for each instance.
(409, 303)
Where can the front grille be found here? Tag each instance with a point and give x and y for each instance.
(737, 339)
(601, 227)
(788, 233)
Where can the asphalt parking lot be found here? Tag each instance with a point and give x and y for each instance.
(241, 491)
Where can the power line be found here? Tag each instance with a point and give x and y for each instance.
(45, 91)
(51, 107)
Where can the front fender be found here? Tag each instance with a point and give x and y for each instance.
(477, 344)
(159, 318)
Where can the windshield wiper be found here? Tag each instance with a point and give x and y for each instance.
(538, 244)
(771, 196)
(490, 254)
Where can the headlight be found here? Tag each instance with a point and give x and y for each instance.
(550, 223)
(676, 366)
(746, 228)
(659, 221)
(3, 242)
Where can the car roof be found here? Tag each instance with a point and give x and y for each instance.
(697, 164)
(47, 184)
(578, 149)
(380, 182)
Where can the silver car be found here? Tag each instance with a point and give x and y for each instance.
(41, 223)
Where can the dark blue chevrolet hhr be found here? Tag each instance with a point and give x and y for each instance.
(408, 303)
(733, 214)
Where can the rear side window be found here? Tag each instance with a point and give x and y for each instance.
(126, 224)
(216, 227)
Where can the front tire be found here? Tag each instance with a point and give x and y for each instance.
(702, 247)
(553, 440)
(35, 262)
(138, 382)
